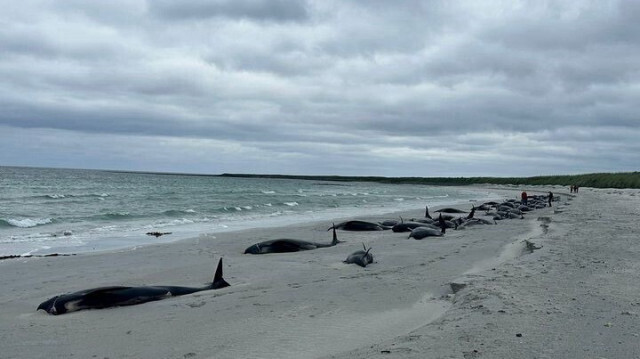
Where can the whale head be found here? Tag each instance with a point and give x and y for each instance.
(54, 305)
(254, 249)
(48, 305)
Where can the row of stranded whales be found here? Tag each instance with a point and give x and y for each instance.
(116, 296)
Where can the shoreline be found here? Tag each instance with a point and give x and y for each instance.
(298, 305)
(192, 231)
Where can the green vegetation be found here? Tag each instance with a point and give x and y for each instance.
(596, 180)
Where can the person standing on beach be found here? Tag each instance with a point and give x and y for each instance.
(524, 198)
(550, 198)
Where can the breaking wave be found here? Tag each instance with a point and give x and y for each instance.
(24, 222)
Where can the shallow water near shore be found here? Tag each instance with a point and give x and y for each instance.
(65, 210)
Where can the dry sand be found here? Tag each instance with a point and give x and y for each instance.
(577, 297)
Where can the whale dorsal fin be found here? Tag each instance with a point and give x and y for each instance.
(218, 281)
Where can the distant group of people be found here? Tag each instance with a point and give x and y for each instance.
(574, 188)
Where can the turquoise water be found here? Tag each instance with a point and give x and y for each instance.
(64, 210)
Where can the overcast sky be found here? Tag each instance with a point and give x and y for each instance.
(371, 87)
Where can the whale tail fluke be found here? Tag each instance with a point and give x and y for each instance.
(366, 251)
(218, 281)
(473, 211)
(335, 237)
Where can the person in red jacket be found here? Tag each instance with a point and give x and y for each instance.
(524, 198)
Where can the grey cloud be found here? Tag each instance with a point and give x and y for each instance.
(262, 10)
(357, 87)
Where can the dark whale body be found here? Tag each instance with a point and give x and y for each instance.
(409, 226)
(360, 226)
(288, 245)
(116, 296)
(424, 232)
(361, 258)
(450, 210)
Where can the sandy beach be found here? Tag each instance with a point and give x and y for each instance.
(576, 297)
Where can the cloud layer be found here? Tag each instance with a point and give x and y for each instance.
(411, 88)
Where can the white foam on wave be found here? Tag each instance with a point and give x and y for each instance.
(28, 222)
(180, 221)
(291, 204)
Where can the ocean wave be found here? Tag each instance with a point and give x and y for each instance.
(178, 212)
(24, 222)
(180, 221)
(55, 196)
(47, 196)
(291, 204)
(115, 215)
(101, 195)
(69, 195)
(268, 192)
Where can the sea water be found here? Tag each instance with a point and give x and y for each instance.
(70, 210)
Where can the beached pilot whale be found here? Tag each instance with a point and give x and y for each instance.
(360, 226)
(105, 297)
(361, 258)
(450, 210)
(424, 232)
(289, 245)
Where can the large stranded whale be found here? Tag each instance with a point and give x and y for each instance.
(424, 232)
(288, 245)
(360, 226)
(450, 210)
(105, 297)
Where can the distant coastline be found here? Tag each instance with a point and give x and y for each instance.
(595, 180)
